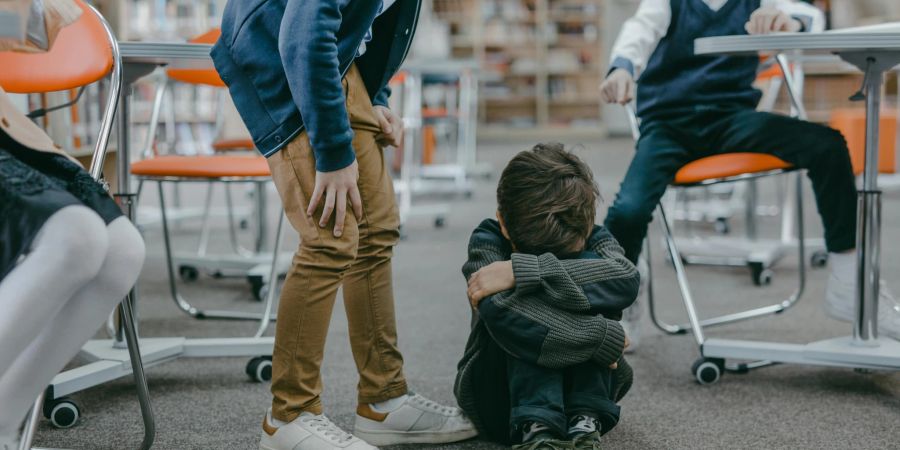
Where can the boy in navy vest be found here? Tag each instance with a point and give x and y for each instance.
(696, 106)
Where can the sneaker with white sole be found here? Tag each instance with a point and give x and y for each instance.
(309, 432)
(416, 420)
(631, 317)
(840, 304)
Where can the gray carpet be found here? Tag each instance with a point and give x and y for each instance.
(211, 404)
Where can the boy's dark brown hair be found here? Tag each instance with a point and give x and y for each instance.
(547, 199)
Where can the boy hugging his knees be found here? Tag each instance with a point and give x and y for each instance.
(543, 367)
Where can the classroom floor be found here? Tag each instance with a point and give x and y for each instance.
(211, 404)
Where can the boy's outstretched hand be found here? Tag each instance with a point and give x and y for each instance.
(489, 280)
(618, 87)
(770, 19)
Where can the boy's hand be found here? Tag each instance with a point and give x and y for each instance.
(618, 87)
(489, 280)
(391, 127)
(615, 365)
(336, 187)
(769, 19)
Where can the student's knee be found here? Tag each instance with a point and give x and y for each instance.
(78, 237)
(830, 147)
(328, 254)
(627, 213)
(124, 258)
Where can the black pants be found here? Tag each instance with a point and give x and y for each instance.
(669, 142)
(549, 396)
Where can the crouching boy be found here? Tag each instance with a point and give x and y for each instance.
(543, 367)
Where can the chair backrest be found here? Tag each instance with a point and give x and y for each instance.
(81, 55)
(84, 52)
(208, 77)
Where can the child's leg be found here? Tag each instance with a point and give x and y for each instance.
(62, 335)
(536, 395)
(820, 150)
(659, 156)
(590, 391)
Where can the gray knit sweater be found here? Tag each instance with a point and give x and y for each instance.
(559, 314)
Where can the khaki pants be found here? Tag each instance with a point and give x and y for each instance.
(360, 261)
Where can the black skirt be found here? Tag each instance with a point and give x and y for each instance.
(34, 185)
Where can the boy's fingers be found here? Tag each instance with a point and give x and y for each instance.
(614, 366)
(329, 207)
(384, 123)
(768, 23)
(780, 23)
(314, 200)
(356, 202)
(341, 210)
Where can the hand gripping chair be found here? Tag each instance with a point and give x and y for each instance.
(726, 168)
(84, 53)
(220, 168)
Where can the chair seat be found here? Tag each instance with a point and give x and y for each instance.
(227, 145)
(726, 166)
(220, 166)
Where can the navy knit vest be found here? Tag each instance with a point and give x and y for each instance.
(676, 80)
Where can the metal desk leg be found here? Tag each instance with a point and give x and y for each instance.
(868, 232)
(137, 367)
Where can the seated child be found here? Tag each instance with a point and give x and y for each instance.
(694, 106)
(543, 366)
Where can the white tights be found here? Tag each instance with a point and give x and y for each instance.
(78, 269)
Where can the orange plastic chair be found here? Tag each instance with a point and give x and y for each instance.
(84, 52)
(717, 169)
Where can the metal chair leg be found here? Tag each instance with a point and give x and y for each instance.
(273, 280)
(137, 369)
(180, 302)
(29, 429)
(734, 317)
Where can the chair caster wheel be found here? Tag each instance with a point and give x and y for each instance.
(259, 369)
(439, 222)
(62, 412)
(819, 259)
(708, 370)
(258, 287)
(188, 273)
(761, 275)
(721, 226)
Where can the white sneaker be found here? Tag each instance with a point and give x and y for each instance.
(416, 421)
(631, 317)
(308, 432)
(840, 303)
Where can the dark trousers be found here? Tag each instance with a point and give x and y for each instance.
(549, 396)
(668, 142)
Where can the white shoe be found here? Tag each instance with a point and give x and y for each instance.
(840, 303)
(631, 317)
(416, 421)
(309, 432)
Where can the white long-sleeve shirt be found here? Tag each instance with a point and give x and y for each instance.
(641, 33)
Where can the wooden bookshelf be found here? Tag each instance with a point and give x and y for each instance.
(543, 60)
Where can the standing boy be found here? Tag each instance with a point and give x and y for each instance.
(695, 106)
(310, 81)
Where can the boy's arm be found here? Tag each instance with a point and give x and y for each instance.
(639, 36)
(810, 18)
(308, 48)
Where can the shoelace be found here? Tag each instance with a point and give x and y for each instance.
(432, 406)
(325, 426)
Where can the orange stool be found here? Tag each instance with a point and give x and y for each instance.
(851, 122)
